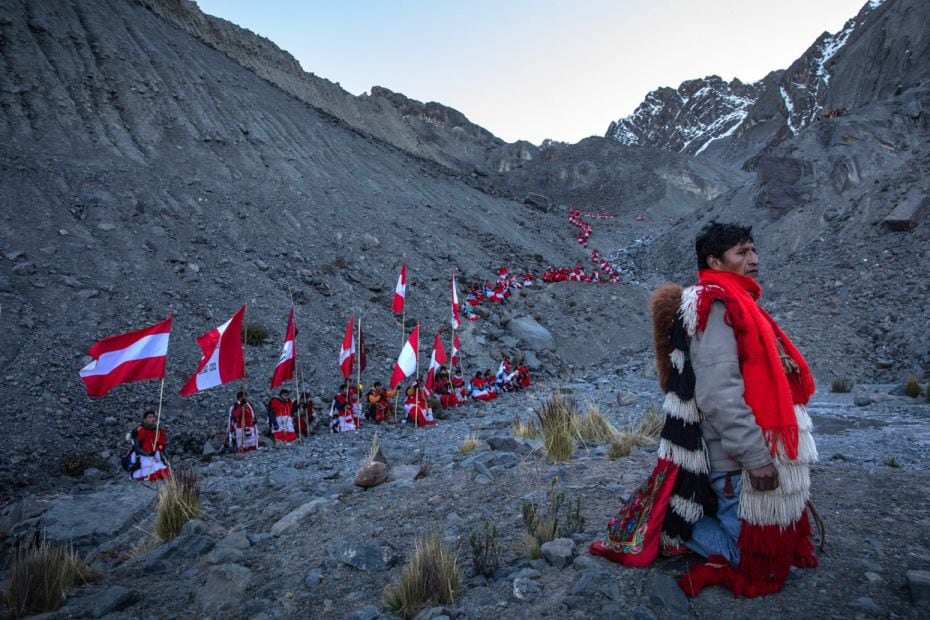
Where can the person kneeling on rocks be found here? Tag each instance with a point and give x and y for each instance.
(148, 446)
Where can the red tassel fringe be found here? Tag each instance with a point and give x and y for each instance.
(767, 553)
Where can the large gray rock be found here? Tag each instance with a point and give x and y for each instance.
(918, 582)
(911, 212)
(597, 581)
(534, 335)
(114, 598)
(86, 520)
(559, 552)
(299, 514)
(664, 591)
(224, 588)
(362, 555)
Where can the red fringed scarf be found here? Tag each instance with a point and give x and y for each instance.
(769, 391)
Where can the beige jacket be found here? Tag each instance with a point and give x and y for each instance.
(734, 440)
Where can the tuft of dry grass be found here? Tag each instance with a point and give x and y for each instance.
(431, 576)
(178, 503)
(841, 386)
(912, 386)
(621, 447)
(485, 550)
(526, 430)
(40, 575)
(374, 448)
(555, 518)
(469, 444)
(594, 426)
(558, 420)
(891, 462)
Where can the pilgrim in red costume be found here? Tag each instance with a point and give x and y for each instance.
(777, 383)
(148, 446)
(419, 411)
(243, 436)
(281, 417)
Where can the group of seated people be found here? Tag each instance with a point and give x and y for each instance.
(448, 390)
(564, 274)
(287, 420)
(510, 377)
(498, 292)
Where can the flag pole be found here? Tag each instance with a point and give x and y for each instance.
(358, 368)
(416, 376)
(244, 391)
(297, 367)
(161, 397)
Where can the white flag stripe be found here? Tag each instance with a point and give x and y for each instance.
(155, 345)
(287, 352)
(407, 360)
(210, 375)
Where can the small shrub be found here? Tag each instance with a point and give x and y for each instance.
(558, 420)
(255, 334)
(468, 444)
(40, 575)
(928, 391)
(425, 463)
(178, 503)
(620, 447)
(74, 464)
(891, 462)
(527, 430)
(431, 576)
(912, 386)
(841, 386)
(548, 522)
(485, 550)
(595, 427)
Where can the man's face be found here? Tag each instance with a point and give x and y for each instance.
(149, 418)
(741, 259)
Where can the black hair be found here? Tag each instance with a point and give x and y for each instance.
(716, 238)
(377, 384)
(240, 395)
(149, 412)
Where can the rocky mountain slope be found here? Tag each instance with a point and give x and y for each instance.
(879, 53)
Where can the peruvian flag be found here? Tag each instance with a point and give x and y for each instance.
(222, 360)
(347, 352)
(400, 291)
(407, 360)
(455, 306)
(437, 359)
(134, 356)
(284, 371)
(456, 345)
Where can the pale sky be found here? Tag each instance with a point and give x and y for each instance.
(536, 69)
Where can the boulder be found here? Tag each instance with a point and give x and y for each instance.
(559, 552)
(371, 474)
(911, 212)
(299, 514)
(362, 555)
(224, 588)
(86, 520)
(533, 334)
(918, 582)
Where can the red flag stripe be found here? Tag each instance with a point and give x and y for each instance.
(133, 356)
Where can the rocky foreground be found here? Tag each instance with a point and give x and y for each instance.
(286, 532)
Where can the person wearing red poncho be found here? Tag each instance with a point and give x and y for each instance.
(732, 480)
(280, 417)
(243, 436)
(148, 446)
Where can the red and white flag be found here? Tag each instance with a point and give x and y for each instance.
(455, 306)
(284, 371)
(347, 352)
(134, 356)
(456, 345)
(437, 359)
(400, 291)
(407, 360)
(222, 360)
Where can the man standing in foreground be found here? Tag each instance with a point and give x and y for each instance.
(750, 385)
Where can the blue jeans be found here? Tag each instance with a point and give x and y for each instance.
(719, 535)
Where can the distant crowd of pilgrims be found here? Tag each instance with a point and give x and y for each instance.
(289, 419)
